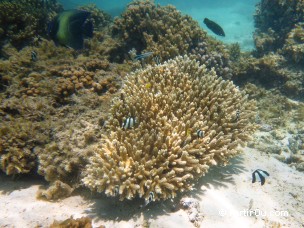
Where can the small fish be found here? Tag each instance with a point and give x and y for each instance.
(150, 199)
(143, 56)
(70, 27)
(116, 190)
(34, 57)
(148, 85)
(129, 123)
(259, 175)
(157, 60)
(200, 133)
(214, 27)
(188, 132)
(237, 115)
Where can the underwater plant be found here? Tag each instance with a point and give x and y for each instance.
(170, 124)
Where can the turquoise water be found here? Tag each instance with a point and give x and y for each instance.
(234, 16)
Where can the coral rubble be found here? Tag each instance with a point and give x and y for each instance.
(83, 222)
(163, 152)
(56, 191)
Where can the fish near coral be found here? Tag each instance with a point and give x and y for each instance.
(70, 27)
(186, 123)
(214, 27)
(129, 123)
(34, 57)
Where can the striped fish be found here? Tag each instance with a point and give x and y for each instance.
(129, 123)
(143, 56)
(200, 133)
(260, 176)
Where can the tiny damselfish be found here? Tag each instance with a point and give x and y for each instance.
(70, 27)
(259, 175)
(214, 27)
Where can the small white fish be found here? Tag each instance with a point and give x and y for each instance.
(144, 55)
(150, 199)
(116, 190)
(260, 176)
(129, 123)
(200, 133)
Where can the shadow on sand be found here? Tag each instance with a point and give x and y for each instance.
(111, 209)
(9, 184)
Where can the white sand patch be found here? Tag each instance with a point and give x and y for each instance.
(224, 194)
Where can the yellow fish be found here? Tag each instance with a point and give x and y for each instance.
(148, 85)
(188, 132)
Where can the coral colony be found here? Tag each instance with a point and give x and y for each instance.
(97, 117)
(165, 151)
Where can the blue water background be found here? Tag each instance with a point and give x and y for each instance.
(235, 16)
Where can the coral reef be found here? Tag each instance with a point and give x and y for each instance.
(235, 52)
(65, 77)
(163, 30)
(99, 18)
(186, 119)
(271, 72)
(22, 129)
(66, 155)
(274, 19)
(277, 61)
(294, 46)
(280, 122)
(22, 20)
(32, 95)
(219, 60)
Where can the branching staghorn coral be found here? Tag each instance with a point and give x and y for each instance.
(163, 152)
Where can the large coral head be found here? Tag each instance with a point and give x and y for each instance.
(187, 118)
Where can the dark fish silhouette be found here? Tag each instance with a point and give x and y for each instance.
(214, 27)
(70, 27)
(259, 175)
(34, 57)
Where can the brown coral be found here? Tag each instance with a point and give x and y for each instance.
(163, 152)
(22, 20)
(99, 18)
(163, 30)
(274, 19)
(56, 191)
(18, 139)
(83, 222)
(294, 46)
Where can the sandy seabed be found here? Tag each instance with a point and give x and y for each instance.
(225, 198)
